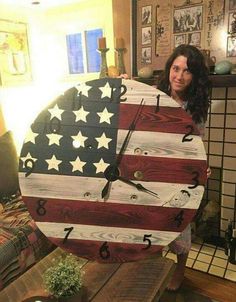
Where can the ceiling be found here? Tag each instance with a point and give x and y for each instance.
(43, 3)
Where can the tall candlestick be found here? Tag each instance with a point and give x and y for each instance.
(119, 47)
(119, 43)
(103, 68)
(102, 43)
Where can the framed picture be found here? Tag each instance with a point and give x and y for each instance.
(232, 23)
(146, 15)
(146, 55)
(146, 35)
(179, 39)
(187, 19)
(231, 47)
(232, 4)
(15, 66)
(194, 39)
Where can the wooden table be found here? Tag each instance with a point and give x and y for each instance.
(142, 281)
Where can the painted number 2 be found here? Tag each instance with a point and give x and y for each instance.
(186, 136)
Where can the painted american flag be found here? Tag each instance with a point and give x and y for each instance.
(72, 142)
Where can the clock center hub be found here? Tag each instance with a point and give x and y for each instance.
(111, 173)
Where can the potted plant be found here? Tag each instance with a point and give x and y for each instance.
(63, 280)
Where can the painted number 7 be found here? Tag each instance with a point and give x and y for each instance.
(68, 230)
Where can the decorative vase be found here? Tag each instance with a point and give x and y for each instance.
(223, 67)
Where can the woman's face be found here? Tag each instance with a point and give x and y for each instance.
(180, 77)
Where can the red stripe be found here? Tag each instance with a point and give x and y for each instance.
(108, 214)
(167, 119)
(161, 169)
(118, 252)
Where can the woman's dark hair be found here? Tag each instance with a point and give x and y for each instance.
(197, 94)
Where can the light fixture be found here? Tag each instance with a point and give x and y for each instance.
(34, 2)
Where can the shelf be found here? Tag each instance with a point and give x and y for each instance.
(228, 80)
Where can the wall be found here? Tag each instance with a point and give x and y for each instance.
(123, 28)
(170, 26)
(50, 76)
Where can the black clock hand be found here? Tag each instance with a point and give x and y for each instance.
(130, 130)
(137, 186)
(122, 149)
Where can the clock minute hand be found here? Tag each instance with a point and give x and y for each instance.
(137, 186)
(131, 128)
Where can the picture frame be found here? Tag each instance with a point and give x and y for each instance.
(146, 35)
(232, 23)
(179, 39)
(194, 39)
(15, 68)
(232, 4)
(187, 19)
(146, 56)
(231, 46)
(146, 17)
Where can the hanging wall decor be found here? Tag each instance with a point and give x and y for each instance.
(206, 24)
(14, 53)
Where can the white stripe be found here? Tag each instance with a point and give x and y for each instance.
(110, 234)
(89, 189)
(159, 144)
(136, 91)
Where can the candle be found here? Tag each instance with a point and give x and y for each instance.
(102, 43)
(119, 43)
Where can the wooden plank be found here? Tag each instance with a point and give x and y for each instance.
(156, 144)
(96, 275)
(136, 91)
(138, 281)
(104, 252)
(78, 188)
(108, 234)
(108, 214)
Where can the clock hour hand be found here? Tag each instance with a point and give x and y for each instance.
(137, 186)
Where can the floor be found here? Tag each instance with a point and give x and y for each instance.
(208, 258)
(185, 295)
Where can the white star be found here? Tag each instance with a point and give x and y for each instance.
(105, 116)
(83, 88)
(30, 136)
(28, 156)
(77, 164)
(55, 112)
(81, 115)
(53, 163)
(78, 140)
(101, 166)
(103, 141)
(54, 139)
(106, 90)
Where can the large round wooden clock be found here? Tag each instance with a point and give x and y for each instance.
(113, 170)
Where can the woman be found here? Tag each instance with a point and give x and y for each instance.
(185, 79)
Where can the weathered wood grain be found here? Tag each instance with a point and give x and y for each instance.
(107, 214)
(78, 188)
(140, 281)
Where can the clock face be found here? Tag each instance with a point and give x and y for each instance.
(113, 170)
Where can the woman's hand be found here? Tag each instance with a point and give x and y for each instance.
(208, 172)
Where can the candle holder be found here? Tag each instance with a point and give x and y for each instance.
(103, 68)
(120, 61)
